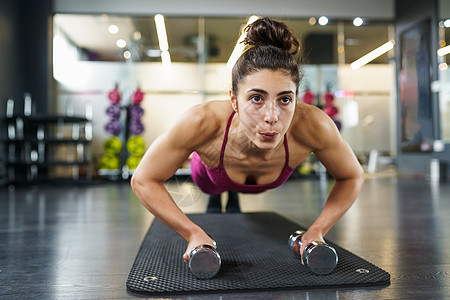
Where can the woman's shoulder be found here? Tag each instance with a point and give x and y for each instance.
(202, 122)
(210, 114)
(312, 127)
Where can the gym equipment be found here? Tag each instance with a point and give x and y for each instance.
(113, 145)
(133, 162)
(113, 111)
(114, 95)
(109, 162)
(204, 262)
(113, 127)
(254, 258)
(331, 110)
(319, 257)
(136, 111)
(138, 96)
(136, 145)
(136, 127)
(308, 97)
(328, 97)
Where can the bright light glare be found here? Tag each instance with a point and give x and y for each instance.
(323, 20)
(444, 51)
(66, 67)
(372, 55)
(121, 43)
(358, 21)
(312, 21)
(113, 29)
(165, 57)
(137, 35)
(239, 45)
(161, 31)
(447, 23)
(127, 54)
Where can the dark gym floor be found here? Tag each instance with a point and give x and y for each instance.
(79, 241)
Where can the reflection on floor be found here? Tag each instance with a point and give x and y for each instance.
(79, 242)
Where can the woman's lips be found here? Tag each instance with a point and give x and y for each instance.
(269, 136)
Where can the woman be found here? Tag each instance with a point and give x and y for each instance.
(252, 142)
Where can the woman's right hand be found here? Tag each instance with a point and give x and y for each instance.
(197, 239)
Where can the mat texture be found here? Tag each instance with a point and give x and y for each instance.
(255, 257)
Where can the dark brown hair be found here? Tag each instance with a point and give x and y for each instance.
(269, 45)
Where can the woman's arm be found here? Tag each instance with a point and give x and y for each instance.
(160, 162)
(338, 158)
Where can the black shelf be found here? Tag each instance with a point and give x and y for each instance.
(48, 164)
(48, 141)
(40, 118)
(43, 147)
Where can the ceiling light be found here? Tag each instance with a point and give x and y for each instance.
(113, 29)
(312, 21)
(161, 31)
(447, 23)
(444, 51)
(137, 35)
(121, 43)
(153, 53)
(162, 38)
(357, 21)
(323, 20)
(372, 55)
(237, 51)
(127, 54)
(443, 66)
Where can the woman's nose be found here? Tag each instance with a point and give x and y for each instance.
(271, 113)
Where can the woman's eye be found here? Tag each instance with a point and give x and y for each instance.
(285, 100)
(256, 99)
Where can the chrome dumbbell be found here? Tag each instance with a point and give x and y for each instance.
(204, 261)
(319, 257)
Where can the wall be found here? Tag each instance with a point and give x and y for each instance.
(374, 96)
(380, 9)
(25, 48)
(10, 66)
(409, 13)
(444, 9)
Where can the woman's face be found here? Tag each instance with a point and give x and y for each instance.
(265, 104)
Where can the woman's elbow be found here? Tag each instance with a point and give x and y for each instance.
(136, 182)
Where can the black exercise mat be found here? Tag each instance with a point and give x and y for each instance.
(255, 257)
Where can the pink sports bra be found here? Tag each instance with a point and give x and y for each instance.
(215, 180)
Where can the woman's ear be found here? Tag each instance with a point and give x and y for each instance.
(233, 100)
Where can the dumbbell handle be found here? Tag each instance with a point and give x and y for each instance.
(295, 242)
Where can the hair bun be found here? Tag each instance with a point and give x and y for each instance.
(268, 32)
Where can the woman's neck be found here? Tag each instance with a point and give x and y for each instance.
(239, 142)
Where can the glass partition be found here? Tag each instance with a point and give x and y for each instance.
(95, 53)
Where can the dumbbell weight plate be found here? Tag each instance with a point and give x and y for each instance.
(113, 145)
(133, 162)
(320, 258)
(109, 162)
(204, 262)
(136, 145)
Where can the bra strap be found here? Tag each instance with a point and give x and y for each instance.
(225, 139)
